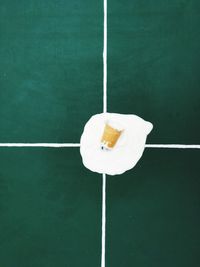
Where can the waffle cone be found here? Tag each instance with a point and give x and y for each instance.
(110, 136)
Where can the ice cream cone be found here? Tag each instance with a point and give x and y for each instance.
(110, 136)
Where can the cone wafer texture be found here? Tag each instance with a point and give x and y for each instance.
(110, 136)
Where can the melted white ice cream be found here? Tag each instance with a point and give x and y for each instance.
(128, 149)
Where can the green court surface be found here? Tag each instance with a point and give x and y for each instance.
(51, 82)
(51, 69)
(153, 65)
(50, 209)
(153, 212)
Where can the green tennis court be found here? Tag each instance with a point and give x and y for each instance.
(51, 83)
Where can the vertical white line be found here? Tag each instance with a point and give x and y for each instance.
(105, 59)
(103, 236)
(103, 241)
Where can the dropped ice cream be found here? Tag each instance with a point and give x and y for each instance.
(125, 142)
(111, 134)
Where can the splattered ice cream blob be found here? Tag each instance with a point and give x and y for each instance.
(113, 143)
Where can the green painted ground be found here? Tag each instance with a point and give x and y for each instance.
(153, 212)
(50, 209)
(51, 69)
(153, 65)
(50, 84)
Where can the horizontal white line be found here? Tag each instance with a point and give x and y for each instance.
(172, 146)
(78, 145)
(39, 145)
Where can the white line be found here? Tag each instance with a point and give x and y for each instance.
(105, 59)
(39, 145)
(103, 240)
(103, 234)
(177, 146)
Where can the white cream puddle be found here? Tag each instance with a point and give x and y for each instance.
(128, 149)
